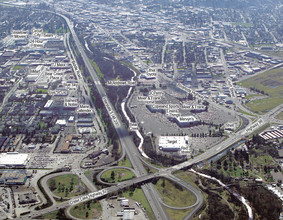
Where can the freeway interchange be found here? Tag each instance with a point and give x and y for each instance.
(134, 156)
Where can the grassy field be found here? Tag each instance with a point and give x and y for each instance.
(119, 175)
(41, 91)
(279, 116)
(139, 196)
(18, 67)
(67, 186)
(177, 214)
(246, 113)
(271, 82)
(174, 196)
(125, 163)
(272, 53)
(87, 210)
(51, 215)
(190, 178)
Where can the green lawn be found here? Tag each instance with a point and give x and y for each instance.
(174, 196)
(119, 175)
(125, 162)
(87, 210)
(139, 196)
(67, 186)
(270, 82)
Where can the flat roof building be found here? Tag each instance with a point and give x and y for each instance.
(13, 159)
(173, 143)
(186, 121)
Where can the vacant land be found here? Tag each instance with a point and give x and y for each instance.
(174, 194)
(117, 175)
(271, 83)
(87, 210)
(67, 186)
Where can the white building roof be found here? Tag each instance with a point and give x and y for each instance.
(187, 118)
(13, 159)
(173, 142)
(61, 122)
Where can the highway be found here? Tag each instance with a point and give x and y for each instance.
(122, 132)
(134, 155)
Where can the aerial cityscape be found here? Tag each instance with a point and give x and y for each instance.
(141, 109)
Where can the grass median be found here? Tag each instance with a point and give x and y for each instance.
(66, 186)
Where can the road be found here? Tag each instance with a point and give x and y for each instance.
(8, 95)
(122, 132)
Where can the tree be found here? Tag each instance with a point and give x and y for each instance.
(112, 175)
(163, 183)
(52, 184)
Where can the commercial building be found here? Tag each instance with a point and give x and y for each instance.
(61, 122)
(128, 214)
(186, 121)
(48, 104)
(13, 159)
(272, 134)
(173, 143)
(13, 177)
